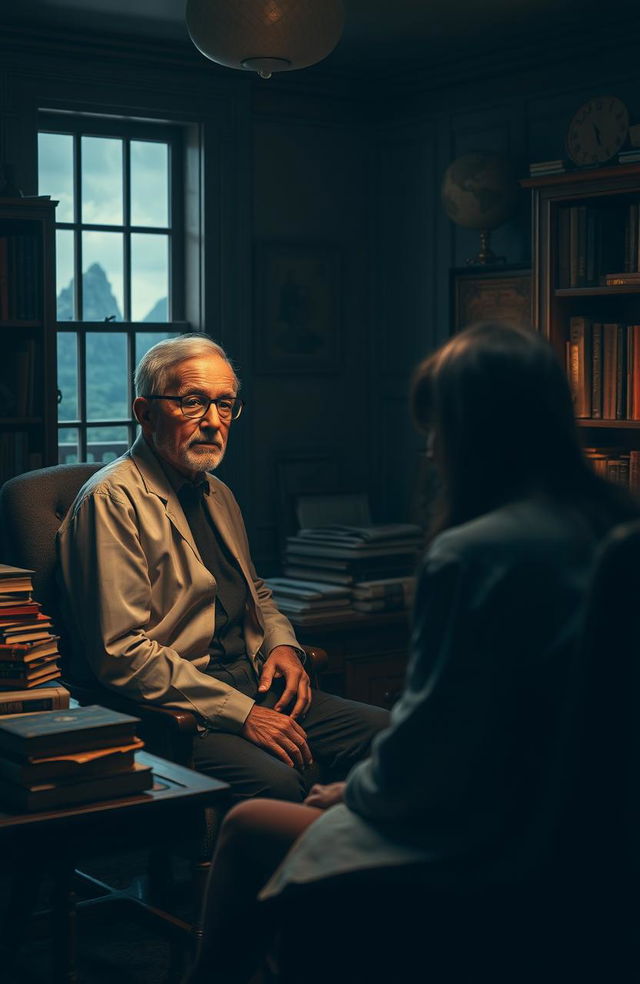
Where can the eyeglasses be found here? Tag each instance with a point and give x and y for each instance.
(195, 407)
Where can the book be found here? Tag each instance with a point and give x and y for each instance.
(9, 682)
(564, 248)
(381, 605)
(630, 279)
(634, 471)
(76, 729)
(51, 697)
(621, 373)
(305, 590)
(316, 574)
(596, 371)
(15, 579)
(346, 551)
(633, 370)
(10, 608)
(46, 795)
(288, 606)
(609, 370)
(26, 652)
(27, 669)
(402, 588)
(10, 598)
(365, 534)
(74, 767)
(580, 365)
(322, 618)
(577, 241)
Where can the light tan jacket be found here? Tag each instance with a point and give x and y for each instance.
(139, 602)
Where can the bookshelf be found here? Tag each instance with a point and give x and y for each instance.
(27, 326)
(586, 227)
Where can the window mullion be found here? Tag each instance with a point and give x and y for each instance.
(82, 395)
(126, 183)
(77, 192)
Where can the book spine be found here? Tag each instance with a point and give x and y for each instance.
(26, 705)
(591, 250)
(382, 591)
(609, 343)
(596, 371)
(574, 248)
(580, 371)
(564, 248)
(634, 330)
(621, 373)
(634, 472)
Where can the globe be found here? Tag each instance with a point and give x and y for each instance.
(479, 190)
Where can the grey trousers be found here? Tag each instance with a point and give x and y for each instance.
(339, 734)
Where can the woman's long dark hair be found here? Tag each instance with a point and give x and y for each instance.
(497, 405)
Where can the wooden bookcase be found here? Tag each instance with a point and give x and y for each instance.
(567, 284)
(28, 437)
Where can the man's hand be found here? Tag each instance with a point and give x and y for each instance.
(322, 797)
(278, 734)
(283, 661)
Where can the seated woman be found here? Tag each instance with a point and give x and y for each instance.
(458, 793)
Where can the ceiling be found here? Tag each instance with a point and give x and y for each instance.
(379, 34)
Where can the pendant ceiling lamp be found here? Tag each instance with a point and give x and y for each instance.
(265, 36)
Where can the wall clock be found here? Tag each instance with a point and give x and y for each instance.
(597, 131)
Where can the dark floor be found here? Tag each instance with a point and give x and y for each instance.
(112, 945)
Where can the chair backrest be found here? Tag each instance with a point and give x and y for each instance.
(32, 506)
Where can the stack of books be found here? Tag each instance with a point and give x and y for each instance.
(392, 594)
(59, 758)
(28, 647)
(629, 156)
(349, 555)
(310, 602)
(539, 168)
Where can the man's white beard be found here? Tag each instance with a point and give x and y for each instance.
(193, 458)
(203, 460)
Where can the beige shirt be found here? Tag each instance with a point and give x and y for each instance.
(139, 602)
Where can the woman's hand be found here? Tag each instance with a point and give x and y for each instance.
(322, 797)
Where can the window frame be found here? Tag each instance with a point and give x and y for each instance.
(80, 125)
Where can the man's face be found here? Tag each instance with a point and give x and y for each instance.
(191, 446)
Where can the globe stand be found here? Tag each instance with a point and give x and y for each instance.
(486, 255)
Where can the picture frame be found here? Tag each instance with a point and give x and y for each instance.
(502, 293)
(297, 318)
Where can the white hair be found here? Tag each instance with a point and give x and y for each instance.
(155, 365)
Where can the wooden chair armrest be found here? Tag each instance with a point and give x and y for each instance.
(318, 657)
(176, 720)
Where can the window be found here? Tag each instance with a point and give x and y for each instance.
(119, 282)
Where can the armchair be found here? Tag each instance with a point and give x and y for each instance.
(32, 506)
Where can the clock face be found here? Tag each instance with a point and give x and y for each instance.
(597, 131)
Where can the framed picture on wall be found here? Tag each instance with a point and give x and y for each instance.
(487, 295)
(297, 319)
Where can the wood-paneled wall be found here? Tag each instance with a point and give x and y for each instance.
(355, 164)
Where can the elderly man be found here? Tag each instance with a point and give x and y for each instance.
(165, 604)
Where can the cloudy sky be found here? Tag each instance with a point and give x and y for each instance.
(102, 204)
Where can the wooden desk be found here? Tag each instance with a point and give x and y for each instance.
(367, 654)
(58, 838)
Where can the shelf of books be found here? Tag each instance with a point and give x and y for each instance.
(586, 299)
(27, 331)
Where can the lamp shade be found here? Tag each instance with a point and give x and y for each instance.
(265, 36)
